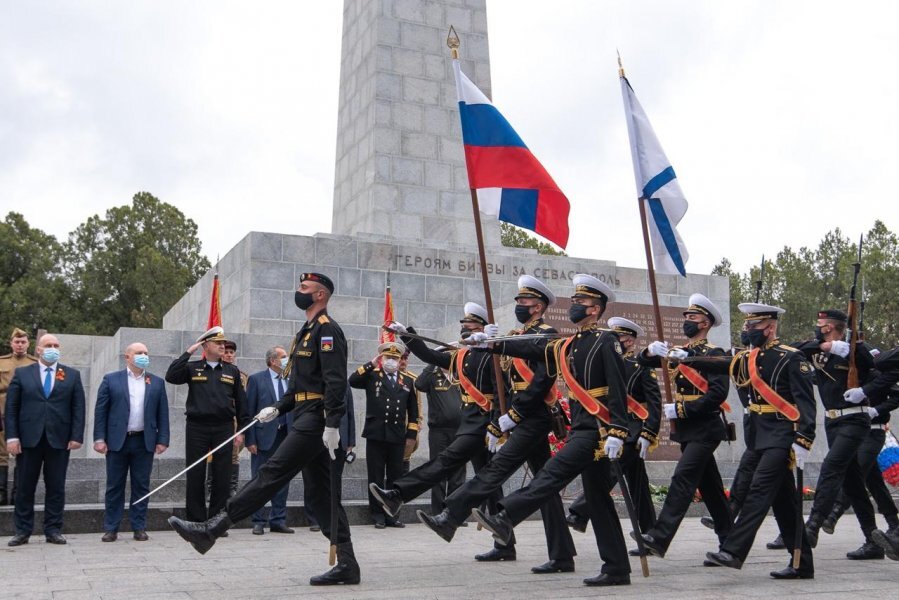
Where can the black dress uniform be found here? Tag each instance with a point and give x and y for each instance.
(444, 416)
(699, 428)
(215, 398)
(594, 359)
(527, 442)
(846, 426)
(391, 417)
(643, 386)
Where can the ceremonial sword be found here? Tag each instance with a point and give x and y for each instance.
(198, 461)
(632, 513)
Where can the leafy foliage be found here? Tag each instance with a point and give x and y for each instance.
(516, 237)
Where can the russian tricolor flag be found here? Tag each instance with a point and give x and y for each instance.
(510, 182)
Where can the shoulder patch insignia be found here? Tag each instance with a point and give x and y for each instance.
(653, 374)
(805, 367)
(327, 344)
(617, 346)
(324, 319)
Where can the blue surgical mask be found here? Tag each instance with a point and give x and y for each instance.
(284, 362)
(141, 361)
(50, 355)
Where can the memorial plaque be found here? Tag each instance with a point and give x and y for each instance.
(642, 315)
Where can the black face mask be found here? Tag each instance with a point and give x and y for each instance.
(522, 313)
(577, 312)
(819, 335)
(465, 333)
(690, 329)
(303, 300)
(754, 337)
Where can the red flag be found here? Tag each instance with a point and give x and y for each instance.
(215, 306)
(387, 336)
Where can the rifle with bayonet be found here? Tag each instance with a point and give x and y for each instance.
(852, 379)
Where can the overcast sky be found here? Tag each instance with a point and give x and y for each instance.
(780, 118)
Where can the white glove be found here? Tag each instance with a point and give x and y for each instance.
(491, 329)
(506, 423)
(475, 339)
(657, 349)
(678, 354)
(840, 348)
(643, 447)
(872, 412)
(397, 327)
(492, 442)
(613, 447)
(854, 395)
(801, 454)
(267, 414)
(331, 438)
(670, 411)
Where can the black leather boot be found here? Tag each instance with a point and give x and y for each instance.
(812, 526)
(202, 536)
(345, 572)
(868, 551)
(830, 523)
(390, 500)
(439, 524)
(499, 524)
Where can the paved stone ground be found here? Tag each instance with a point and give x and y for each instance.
(413, 563)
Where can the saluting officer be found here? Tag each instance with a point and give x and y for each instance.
(529, 419)
(778, 380)
(590, 364)
(644, 408)
(215, 399)
(391, 421)
(698, 423)
(316, 394)
(473, 369)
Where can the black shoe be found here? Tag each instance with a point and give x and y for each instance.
(18, 540)
(258, 530)
(345, 572)
(606, 579)
(554, 566)
(791, 573)
(811, 533)
(279, 528)
(56, 538)
(889, 543)
(389, 499)
(395, 523)
(724, 559)
(634, 552)
(315, 528)
(497, 555)
(709, 563)
(140, 536)
(202, 535)
(776, 544)
(109, 536)
(708, 522)
(439, 524)
(576, 522)
(868, 551)
(828, 526)
(650, 545)
(380, 524)
(499, 524)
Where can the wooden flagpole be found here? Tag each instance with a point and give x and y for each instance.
(452, 40)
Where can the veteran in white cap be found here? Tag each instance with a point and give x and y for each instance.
(698, 417)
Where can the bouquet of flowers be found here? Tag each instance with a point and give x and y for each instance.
(888, 460)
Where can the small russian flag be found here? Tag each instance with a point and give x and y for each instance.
(888, 461)
(511, 183)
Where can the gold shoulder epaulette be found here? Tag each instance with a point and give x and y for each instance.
(789, 348)
(324, 319)
(411, 375)
(6, 356)
(544, 326)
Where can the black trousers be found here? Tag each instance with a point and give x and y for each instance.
(200, 438)
(300, 450)
(29, 464)
(465, 448)
(578, 457)
(867, 465)
(772, 487)
(695, 469)
(844, 437)
(637, 483)
(739, 488)
(526, 443)
(438, 439)
(384, 461)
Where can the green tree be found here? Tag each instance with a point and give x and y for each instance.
(129, 267)
(33, 291)
(516, 237)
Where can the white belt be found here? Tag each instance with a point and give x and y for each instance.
(841, 412)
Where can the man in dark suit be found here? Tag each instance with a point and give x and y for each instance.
(44, 421)
(266, 388)
(131, 422)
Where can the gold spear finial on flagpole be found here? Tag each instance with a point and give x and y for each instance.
(452, 41)
(620, 66)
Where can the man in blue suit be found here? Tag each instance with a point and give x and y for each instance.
(265, 388)
(131, 423)
(44, 422)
